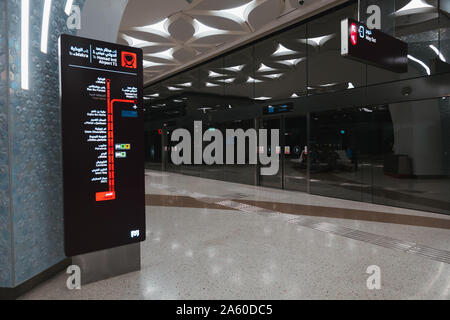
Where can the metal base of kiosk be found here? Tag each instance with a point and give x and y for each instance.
(108, 263)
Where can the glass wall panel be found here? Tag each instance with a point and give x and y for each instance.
(419, 27)
(170, 147)
(153, 149)
(165, 101)
(296, 154)
(327, 69)
(238, 97)
(239, 173)
(201, 101)
(208, 96)
(238, 88)
(274, 181)
(280, 65)
(340, 155)
(413, 169)
(444, 35)
(211, 78)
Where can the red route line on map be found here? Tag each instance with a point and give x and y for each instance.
(111, 193)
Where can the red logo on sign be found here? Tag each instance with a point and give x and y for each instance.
(353, 34)
(129, 60)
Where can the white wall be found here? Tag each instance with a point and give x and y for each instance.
(100, 19)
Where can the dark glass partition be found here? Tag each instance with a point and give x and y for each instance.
(413, 169)
(395, 154)
(327, 70)
(339, 153)
(355, 131)
(280, 64)
(276, 180)
(296, 154)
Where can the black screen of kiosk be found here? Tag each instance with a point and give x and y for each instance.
(373, 47)
(102, 138)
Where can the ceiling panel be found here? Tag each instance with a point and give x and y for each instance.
(173, 33)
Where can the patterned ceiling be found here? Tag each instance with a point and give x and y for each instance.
(195, 28)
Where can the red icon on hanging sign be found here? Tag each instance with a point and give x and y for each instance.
(353, 34)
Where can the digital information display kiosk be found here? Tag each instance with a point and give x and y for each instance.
(103, 144)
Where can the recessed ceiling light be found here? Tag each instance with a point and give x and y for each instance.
(209, 84)
(186, 84)
(317, 41)
(166, 54)
(45, 25)
(173, 88)
(282, 50)
(239, 12)
(177, 101)
(203, 29)
(263, 98)
(264, 68)
(159, 26)
(204, 109)
(235, 68)
(24, 43)
(427, 69)
(295, 96)
(273, 76)
(350, 86)
(436, 50)
(230, 80)
(148, 64)
(328, 85)
(414, 6)
(134, 42)
(291, 62)
(253, 80)
(156, 95)
(213, 74)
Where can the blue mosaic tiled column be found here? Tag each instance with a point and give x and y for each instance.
(30, 146)
(5, 212)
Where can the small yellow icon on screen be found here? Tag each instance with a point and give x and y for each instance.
(127, 147)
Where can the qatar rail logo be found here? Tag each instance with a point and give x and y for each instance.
(129, 60)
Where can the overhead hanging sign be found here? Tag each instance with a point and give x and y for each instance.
(280, 108)
(373, 47)
(103, 147)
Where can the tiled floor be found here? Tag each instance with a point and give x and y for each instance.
(206, 253)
